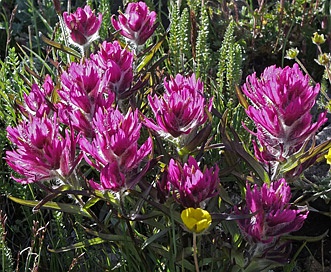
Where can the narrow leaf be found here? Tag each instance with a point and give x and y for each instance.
(156, 236)
(90, 242)
(68, 208)
(60, 46)
(149, 56)
(306, 238)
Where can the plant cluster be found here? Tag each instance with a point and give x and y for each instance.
(140, 157)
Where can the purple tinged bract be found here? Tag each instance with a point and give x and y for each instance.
(181, 109)
(37, 101)
(82, 94)
(83, 25)
(40, 151)
(115, 68)
(281, 103)
(137, 23)
(191, 185)
(272, 214)
(115, 147)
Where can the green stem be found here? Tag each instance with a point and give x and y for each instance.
(195, 252)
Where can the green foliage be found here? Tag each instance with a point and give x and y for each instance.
(179, 43)
(12, 87)
(105, 8)
(203, 56)
(229, 70)
(5, 252)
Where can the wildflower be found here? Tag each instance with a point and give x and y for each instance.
(37, 101)
(137, 23)
(272, 214)
(323, 59)
(292, 53)
(83, 26)
(41, 152)
(328, 157)
(115, 141)
(196, 220)
(318, 39)
(281, 103)
(190, 185)
(115, 65)
(82, 93)
(181, 109)
(110, 178)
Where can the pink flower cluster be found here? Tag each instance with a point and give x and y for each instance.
(281, 103)
(271, 213)
(83, 25)
(115, 66)
(44, 146)
(181, 109)
(43, 151)
(137, 24)
(114, 150)
(189, 184)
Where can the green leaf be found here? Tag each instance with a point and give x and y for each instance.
(91, 202)
(306, 238)
(86, 243)
(68, 208)
(300, 157)
(60, 46)
(51, 196)
(109, 237)
(156, 236)
(150, 55)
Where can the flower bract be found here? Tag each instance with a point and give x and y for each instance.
(281, 100)
(190, 184)
(181, 109)
(114, 150)
(83, 25)
(137, 23)
(272, 214)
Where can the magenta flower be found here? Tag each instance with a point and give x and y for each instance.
(82, 93)
(115, 147)
(115, 66)
(189, 184)
(181, 109)
(137, 23)
(272, 214)
(281, 103)
(83, 25)
(37, 101)
(41, 152)
(110, 178)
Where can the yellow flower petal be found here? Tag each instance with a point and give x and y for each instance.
(196, 220)
(328, 157)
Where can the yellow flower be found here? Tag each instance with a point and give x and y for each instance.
(328, 157)
(196, 220)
